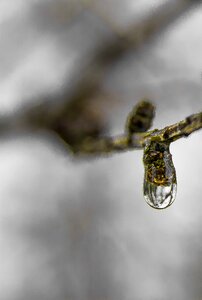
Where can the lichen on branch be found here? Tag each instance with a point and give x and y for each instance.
(136, 136)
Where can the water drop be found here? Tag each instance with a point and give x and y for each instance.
(159, 196)
(160, 185)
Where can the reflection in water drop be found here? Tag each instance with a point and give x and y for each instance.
(159, 196)
(160, 185)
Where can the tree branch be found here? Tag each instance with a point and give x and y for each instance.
(74, 101)
(126, 142)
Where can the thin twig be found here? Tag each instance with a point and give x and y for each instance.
(169, 134)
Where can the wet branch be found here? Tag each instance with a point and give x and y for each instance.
(137, 140)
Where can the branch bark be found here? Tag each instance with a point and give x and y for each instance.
(126, 142)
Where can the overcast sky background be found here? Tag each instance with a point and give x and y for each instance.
(81, 230)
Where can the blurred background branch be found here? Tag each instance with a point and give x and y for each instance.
(78, 111)
(74, 69)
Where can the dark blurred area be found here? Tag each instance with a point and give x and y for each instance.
(76, 229)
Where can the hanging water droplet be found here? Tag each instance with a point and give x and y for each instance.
(160, 185)
(159, 196)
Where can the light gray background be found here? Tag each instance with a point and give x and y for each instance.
(81, 230)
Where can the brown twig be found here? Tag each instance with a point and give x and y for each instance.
(73, 105)
(169, 134)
